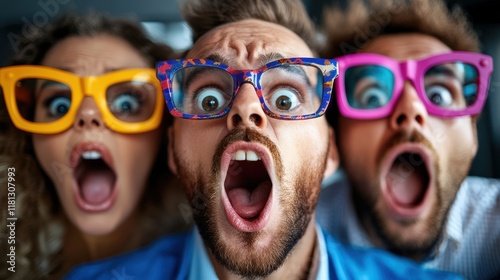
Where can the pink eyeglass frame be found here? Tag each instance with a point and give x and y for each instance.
(413, 71)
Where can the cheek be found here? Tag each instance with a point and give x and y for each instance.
(455, 138)
(360, 140)
(136, 155)
(52, 154)
(302, 142)
(134, 160)
(195, 143)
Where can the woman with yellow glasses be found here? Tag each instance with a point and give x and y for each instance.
(83, 146)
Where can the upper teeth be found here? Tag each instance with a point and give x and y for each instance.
(246, 155)
(91, 155)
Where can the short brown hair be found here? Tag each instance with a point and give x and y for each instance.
(202, 16)
(349, 30)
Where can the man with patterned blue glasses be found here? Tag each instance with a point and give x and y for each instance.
(251, 148)
(408, 102)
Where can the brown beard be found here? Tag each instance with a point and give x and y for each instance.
(298, 198)
(366, 195)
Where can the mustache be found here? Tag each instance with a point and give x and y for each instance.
(247, 135)
(407, 137)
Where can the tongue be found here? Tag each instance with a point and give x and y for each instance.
(96, 186)
(249, 203)
(406, 183)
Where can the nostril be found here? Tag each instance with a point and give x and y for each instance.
(236, 120)
(256, 119)
(253, 119)
(400, 120)
(93, 122)
(419, 119)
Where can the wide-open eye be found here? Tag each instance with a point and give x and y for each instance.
(132, 101)
(58, 106)
(451, 85)
(202, 90)
(292, 90)
(368, 86)
(284, 99)
(210, 100)
(55, 99)
(372, 97)
(125, 103)
(439, 95)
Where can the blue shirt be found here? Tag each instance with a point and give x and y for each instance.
(471, 240)
(201, 267)
(171, 257)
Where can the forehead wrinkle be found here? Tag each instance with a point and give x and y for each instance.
(242, 43)
(81, 60)
(93, 55)
(263, 59)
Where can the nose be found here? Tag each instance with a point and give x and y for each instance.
(88, 116)
(246, 110)
(410, 112)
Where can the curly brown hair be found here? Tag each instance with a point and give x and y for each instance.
(202, 16)
(349, 30)
(39, 226)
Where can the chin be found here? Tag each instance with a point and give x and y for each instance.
(97, 226)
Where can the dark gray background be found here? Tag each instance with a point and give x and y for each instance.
(161, 18)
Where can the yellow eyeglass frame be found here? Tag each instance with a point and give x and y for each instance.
(92, 86)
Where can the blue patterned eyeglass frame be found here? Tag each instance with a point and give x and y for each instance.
(166, 70)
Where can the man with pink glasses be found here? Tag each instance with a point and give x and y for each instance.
(409, 93)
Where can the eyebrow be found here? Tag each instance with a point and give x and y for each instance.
(266, 58)
(446, 70)
(299, 71)
(47, 83)
(263, 60)
(218, 58)
(188, 77)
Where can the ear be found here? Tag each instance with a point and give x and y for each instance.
(332, 162)
(171, 161)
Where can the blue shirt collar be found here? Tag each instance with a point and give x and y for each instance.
(201, 267)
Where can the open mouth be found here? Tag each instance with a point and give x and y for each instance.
(406, 181)
(247, 189)
(94, 177)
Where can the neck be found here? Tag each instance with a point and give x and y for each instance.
(122, 239)
(80, 247)
(301, 263)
